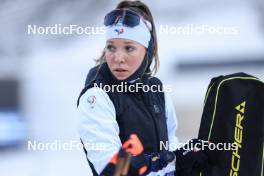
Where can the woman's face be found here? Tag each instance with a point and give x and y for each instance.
(123, 57)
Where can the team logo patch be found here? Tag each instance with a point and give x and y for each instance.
(119, 31)
(91, 100)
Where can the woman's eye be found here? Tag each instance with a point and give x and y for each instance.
(110, 48)
(130, 48)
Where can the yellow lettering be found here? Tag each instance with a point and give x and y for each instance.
(238, 135)
(231, 173)
(235, 168)
(235, 152)
(239, 118)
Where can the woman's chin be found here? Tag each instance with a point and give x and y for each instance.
(121, 76)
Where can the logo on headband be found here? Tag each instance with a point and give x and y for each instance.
(119, 31)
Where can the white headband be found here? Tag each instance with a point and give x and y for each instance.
(139, 33)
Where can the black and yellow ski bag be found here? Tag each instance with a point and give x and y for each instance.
(234, 113)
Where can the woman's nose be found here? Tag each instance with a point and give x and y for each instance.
(119, 57)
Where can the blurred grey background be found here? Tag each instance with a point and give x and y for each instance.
(41, 76)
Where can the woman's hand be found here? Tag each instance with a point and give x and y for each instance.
(193, 155)
(158, 161)
(131, 161)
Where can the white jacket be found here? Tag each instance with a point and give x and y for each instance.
(99, 130)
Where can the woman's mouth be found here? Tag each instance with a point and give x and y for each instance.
(120, 73)
(121, 70)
